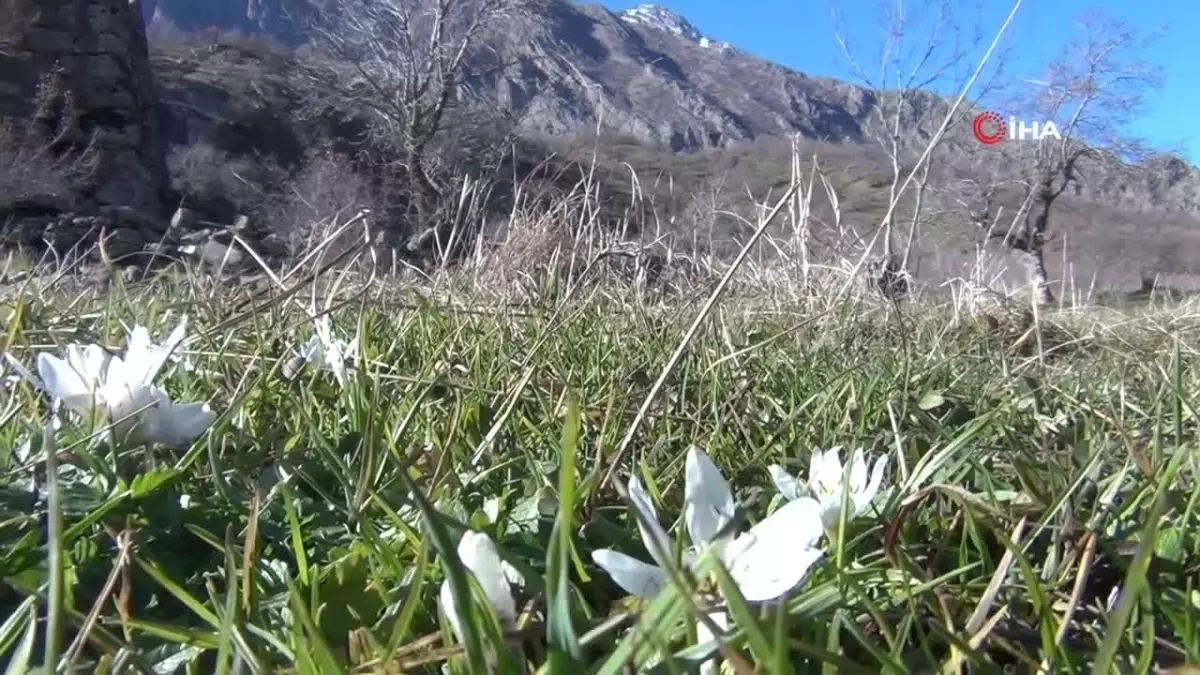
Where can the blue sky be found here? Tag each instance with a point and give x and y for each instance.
(800, 34)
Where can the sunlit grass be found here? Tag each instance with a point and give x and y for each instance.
(306, 532)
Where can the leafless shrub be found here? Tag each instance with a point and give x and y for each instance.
(412, 66)
(31, 172)
(215, 181)
(926, 44)
(324, 192)
(536, 245)
(25, 171)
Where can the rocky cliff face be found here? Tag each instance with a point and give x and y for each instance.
(281, 19)
(79, 75)
(77, 96)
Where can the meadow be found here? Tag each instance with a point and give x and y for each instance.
(1033, 514)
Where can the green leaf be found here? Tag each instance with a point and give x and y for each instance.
(1169, 544)
(311, 643)
(146, 483)
(931, 401)
(1135, 578)
(565, 651)
(178, 591)
(19, 663)
(56, 558)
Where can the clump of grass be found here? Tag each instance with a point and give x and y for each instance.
(307, 531)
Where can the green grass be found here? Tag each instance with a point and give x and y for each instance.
(994, 547)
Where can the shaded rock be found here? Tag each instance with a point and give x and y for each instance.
(77, 92)
(79, 75)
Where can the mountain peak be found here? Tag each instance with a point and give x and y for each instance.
(662, 19)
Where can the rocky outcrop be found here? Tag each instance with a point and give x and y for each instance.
(282, 19)
(76, 87)
(126, 231)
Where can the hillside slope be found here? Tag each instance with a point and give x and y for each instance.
(649, 75)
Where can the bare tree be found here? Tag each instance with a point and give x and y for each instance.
(413, 63)
(925, 46)
(1092, 93)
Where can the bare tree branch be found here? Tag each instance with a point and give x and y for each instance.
(411, 64)
(926, 46)
(1092, 92)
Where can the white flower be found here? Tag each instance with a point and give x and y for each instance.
(172, 424)
(328, 353)
(169, 348)
(785, 482)
(478, 554)
(827, 480)
(708, 503)
(137, 342)
(636, 577)
(95, 384)
(766, 562)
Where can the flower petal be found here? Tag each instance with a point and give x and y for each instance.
(777, 553)
(478, 553)
(862, 499)
(785, 482)
(825, 474)
(446, 602)
(64, 381)
(311, 351)
(180, 424)
(636, 577)
(654, 537)
(831, 510)
(90, 361)
(858, 472)
(704, 635)
(816, 468)
(143, 359)
(134, 410)
(708, 502)
(335, 357)
(137, 340)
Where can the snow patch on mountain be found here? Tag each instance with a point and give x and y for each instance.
(662, 19)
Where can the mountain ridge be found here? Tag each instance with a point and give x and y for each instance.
(777, 100)
(576, 68)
